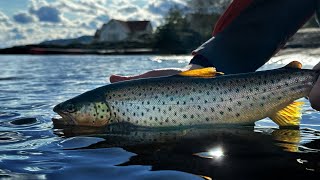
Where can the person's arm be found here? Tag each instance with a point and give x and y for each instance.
(154, 73)
(314, 96)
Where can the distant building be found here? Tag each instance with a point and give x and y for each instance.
(120, 31)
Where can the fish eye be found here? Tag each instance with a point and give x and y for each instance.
(70, 108)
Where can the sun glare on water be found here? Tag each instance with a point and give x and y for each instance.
(214, 153)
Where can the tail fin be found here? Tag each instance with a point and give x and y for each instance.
(289, 116)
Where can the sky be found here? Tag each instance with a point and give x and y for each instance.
(34, 21)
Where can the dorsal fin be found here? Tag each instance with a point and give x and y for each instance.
(203, 72)
(294, 65)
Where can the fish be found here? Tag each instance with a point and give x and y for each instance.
(195, 97)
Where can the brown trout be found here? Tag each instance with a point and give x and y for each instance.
(187, 101)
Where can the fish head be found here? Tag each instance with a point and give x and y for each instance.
(88, 109)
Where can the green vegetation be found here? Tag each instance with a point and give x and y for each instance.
(182, 33)
(176, 35)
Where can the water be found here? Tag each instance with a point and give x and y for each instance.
(31, 148)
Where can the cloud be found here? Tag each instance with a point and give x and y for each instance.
(23, 18)
(162, 7)
(56, 19)
(129, 9)
(4, 20)
(47, 14)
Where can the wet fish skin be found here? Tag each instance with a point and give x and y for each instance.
(184, 101)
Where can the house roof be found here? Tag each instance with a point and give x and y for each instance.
(135, 26)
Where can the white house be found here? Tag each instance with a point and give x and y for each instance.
(119, 31)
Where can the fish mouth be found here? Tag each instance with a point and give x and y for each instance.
(65, 119)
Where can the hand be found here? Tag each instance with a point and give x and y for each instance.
(314, 96)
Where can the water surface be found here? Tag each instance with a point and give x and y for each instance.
(31, 148)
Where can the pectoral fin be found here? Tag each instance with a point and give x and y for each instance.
(204, 72)
(289, 116)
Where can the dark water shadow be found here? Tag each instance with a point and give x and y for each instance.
(218, 153)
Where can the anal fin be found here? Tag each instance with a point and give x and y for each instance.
(288, 116)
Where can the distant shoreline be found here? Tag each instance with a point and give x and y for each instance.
(74, 51)
(308, 38)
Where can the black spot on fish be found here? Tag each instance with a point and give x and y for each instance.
(156, 119)
(174, 121)
(175, 114)
(279, 98)
(213, 99)
(142, 114)
(230, 109)
(263, 98)
(178, 103)
(239, 103)
(212, 109)
(94, 115)
(207, 119)
(205, 101)
(199, 107)
(217, 88)
(221, 112)
(101, 117)
(134, 114)
(184, 116)
(261, 104)
(171, 99)
(251, 105)
(192, 116)
(221, 99)
(237, 114)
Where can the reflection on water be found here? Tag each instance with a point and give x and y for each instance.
(209, 152)
(31, 148)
